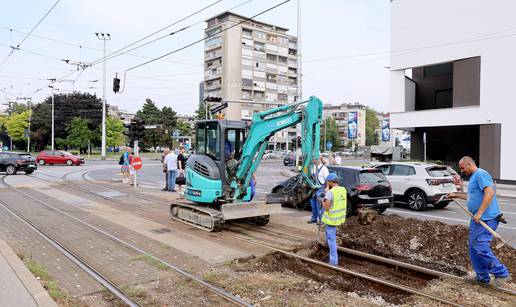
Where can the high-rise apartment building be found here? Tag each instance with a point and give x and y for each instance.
(340, 113)
(252, 66)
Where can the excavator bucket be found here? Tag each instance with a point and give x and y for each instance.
(249, 209)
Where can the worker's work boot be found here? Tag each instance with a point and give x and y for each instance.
(471, 279)
(501, 281)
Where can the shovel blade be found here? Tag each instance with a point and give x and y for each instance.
(249, 209)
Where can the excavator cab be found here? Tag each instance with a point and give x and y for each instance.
(209, 171)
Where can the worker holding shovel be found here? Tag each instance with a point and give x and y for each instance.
(482, 203)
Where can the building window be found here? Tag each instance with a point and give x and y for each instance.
(272, 57)
(247, 95)
(246, 62)
(247, 73)
(438, 70)
(259, 46)
(271, 38)
(247, 42)
(444, 99)
(247, 52)
(282, 97)
(247, 32)
(213, 42)
(271, 78)
(247, 82)
(261, 35)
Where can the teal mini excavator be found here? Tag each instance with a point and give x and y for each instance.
(227, 155)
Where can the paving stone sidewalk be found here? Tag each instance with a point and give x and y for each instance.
(18, 287)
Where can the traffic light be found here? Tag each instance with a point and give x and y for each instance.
(213, 99)
(116, 85)
(136, 130)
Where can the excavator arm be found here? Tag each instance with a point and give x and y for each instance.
(264, 125)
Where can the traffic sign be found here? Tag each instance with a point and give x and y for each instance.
(329, 145)
(137, 163)
(218, 108)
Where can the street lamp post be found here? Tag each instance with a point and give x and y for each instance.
(103, 37)
(53, 120)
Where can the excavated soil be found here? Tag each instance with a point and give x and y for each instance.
(279, 280)
(430, 244)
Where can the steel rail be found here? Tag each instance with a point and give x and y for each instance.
(104, 281)
(218, 291)
(353, 273)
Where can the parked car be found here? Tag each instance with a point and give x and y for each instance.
(289, 159)
(366, 187)
(418, 184)
(11, 163)
(58, 157)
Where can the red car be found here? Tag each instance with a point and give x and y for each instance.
(58, 157)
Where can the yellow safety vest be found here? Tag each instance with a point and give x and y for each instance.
(337, 213)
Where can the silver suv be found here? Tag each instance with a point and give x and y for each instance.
(418, 184)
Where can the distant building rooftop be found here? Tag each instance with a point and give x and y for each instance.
(228, 13)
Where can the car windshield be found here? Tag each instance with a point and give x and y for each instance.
(66, 153)
(26, 156)
(368, 176)
(437, 172)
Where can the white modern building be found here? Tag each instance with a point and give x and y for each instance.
(452, 82)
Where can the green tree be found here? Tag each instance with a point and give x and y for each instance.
(114, 132)
(79, 134)
(372, 124)
(16, 125)
(332, 134)
(169, 123)
(151, 115)
(200, 113)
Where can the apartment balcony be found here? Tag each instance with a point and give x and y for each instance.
(212, 55)
(213, 74)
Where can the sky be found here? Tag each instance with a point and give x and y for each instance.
(333, 33)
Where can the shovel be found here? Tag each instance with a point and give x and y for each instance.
(499, 241)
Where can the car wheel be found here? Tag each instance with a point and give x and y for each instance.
(441, 205)
(29, 171)
(41, 162)
(11, 169)
(416, 201)
(69, 162)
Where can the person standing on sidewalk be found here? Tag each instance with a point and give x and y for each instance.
(482, 203)
(334, 214)
(166, 151)
(126, 164)
(320, 173)
(171, 162)
(181, 166)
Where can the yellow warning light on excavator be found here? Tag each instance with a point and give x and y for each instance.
(219, 116)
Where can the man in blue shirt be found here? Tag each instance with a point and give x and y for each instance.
(483, 205)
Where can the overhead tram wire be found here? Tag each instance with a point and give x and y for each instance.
(30, 32)
(156, 32)
(113, 55)
(207, 37)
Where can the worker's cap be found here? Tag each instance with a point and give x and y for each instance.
(332, 177)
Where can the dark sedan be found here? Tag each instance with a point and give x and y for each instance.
(367, 188)
(11, 163)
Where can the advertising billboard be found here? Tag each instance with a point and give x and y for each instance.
(352, 125)
(386, 132)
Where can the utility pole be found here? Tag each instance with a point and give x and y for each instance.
(299, 89)
(103, 37)
(29, 103)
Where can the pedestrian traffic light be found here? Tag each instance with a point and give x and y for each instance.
(127, 130)
(116, 85)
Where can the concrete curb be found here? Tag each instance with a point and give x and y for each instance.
(35, 289)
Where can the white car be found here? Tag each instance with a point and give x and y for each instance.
(418, 184)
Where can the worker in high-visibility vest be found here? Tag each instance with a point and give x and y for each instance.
(334, 214)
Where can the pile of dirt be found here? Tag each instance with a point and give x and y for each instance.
(427, 243)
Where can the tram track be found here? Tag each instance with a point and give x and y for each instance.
(242, 236)
(90, 267)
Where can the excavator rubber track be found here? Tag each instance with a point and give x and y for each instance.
(202, 217)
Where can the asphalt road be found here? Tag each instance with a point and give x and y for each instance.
(268, 175)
